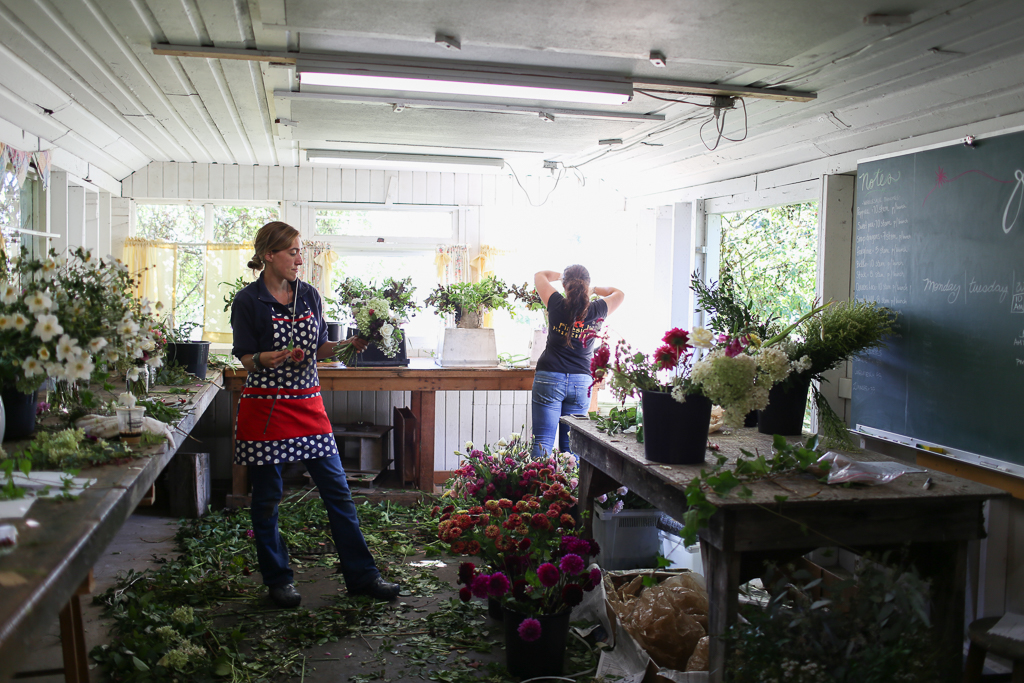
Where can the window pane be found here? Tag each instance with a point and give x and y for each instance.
(171, 222)
(384, 223)
(189, 293)
(240, 223)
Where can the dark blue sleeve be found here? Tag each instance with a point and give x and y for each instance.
(318, 311)
(243, 325)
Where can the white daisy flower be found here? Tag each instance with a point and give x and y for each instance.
(55, 370)
(66, 346)
(47, 327)
(155, 361)
(49, 270)
(6, 322)
(44, 353)
(20, 321)
(111, 355)
(9, 294)
(81, 368)
(39, 302)
(31, 366)
(97, 344)
(132, 375)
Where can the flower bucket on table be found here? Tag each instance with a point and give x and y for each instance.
(787, 402)
(535, 645)
(675, 433)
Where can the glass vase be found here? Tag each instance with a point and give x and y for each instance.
(65, 396)
(140, 385)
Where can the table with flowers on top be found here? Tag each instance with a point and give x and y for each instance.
(936, 523)
(422, 377)
(60, 541)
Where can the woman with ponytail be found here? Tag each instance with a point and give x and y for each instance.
(562, 381)
(279, 334)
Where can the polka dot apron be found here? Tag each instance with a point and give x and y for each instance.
(281, 416)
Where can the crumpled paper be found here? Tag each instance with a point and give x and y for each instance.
(106, 427)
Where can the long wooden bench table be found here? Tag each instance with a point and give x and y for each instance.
(53, 559)
(935, 523)
(422, 378)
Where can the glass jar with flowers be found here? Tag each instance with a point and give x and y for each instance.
(379, 311)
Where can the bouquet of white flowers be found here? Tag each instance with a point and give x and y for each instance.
(379, 313)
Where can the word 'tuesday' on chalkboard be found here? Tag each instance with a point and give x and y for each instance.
(940, 240)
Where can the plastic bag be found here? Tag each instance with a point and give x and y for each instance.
(701, 657)
(845, 470)
(667, 620)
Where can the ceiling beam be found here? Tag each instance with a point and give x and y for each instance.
(347, 60)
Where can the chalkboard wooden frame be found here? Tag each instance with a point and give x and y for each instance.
(940, 239)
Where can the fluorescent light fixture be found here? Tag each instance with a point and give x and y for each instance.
(602, 92)
(405, 162)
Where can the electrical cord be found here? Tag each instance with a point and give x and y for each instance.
(558, 179)
(719, 119)
(668, 99)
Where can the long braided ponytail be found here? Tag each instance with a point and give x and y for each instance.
(576, 283)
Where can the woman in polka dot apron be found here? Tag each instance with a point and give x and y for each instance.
(279, 333)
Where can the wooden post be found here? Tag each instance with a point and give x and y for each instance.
(188, 484)
(423, 410)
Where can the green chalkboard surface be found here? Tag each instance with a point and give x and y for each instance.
(940, 239)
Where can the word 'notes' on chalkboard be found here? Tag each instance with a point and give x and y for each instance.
(940, 239)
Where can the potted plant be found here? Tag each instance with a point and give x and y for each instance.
(531, 300)
(468, 344)
(828, 336)
(191, 354)
(69, 320)
(379, 311)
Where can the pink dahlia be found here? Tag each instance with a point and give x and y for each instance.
(572, 564)
(548, 574)
(529, 630)
(498, 585)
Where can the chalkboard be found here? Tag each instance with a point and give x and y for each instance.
(940, 239)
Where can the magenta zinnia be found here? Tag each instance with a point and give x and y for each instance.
(571, 564)
(548, 574)
(529, 630)
(498, 585)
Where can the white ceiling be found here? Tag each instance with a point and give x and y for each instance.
(82, 73)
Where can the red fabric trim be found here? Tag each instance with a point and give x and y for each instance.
(298, 320)
(292, 417)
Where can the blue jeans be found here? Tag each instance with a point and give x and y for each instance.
(357, 565)
(556, 394)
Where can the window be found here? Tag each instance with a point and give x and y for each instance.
(22, 213)
(405, 225)
(189, 227)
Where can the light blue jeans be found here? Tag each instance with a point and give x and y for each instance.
(556, 394)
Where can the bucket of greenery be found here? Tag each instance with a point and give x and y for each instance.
(379, 311)
(467, 344)
(191, 354)
(834, 335)
(533, 562)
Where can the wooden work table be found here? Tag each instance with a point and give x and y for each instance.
(54, 558)
(935, 523)
(422, 378)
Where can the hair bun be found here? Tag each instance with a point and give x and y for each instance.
(256, 263)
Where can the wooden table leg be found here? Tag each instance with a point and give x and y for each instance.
(723, 577)
(72, 636)
(239, 496)
(422, 406)
(944, 565)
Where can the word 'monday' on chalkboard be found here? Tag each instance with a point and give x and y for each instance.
(940, 240)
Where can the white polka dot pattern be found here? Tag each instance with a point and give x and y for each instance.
(289, 375)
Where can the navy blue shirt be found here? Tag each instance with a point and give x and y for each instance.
(254, 307)
(575, 358)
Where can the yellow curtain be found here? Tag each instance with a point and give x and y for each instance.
(152, 263)
(318, 260)
(483, 267)
(225, 263)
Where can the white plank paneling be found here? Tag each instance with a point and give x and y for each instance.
(246, 182)
(275, 183)
(260, 183)
(186, 176)
(319, 184)
(487, 190)
(363, 185)
(475, 190)
(493, 429)
(169, 169)
(126, 186)
(405, 192)
(156, 180)
(216, 181)
(305, 184)
(140, 182)
(461, 193)
(348, 184)
(334, 184)
(419, 187)
(291, 183)
(377, 186)
(479, 419)
(230, 181)
(447, 189)
(201, 181)
(452, 430)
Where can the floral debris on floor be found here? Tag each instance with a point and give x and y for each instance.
(204, 615)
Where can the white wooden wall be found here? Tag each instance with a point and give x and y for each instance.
(460, 416)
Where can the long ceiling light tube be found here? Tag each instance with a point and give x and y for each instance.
(393, 161)
(512, 87)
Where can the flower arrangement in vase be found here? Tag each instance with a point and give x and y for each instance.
(379, 311)
(468, 301)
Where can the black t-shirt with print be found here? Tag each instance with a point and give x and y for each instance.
(575, 358)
